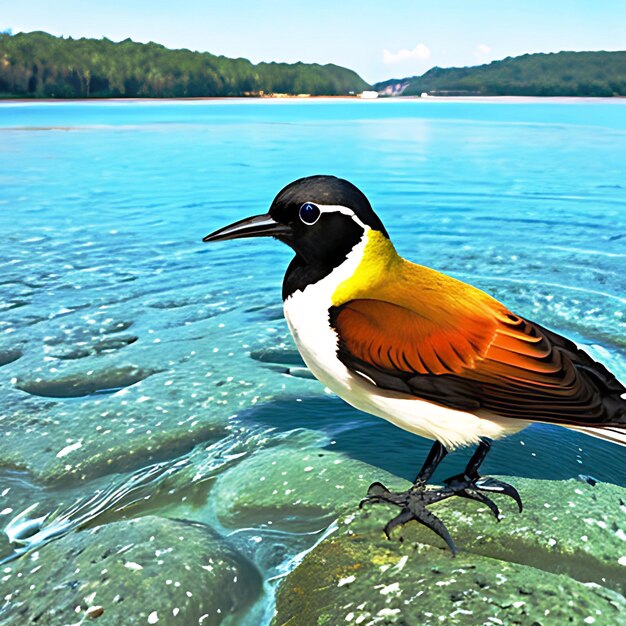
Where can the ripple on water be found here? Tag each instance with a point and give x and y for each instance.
(114, 242)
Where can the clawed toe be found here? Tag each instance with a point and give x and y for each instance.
(399, 520)
(377, 489)
(471, 487)
(497, 486)
(376, 492)
(479, 497)
(414, 502)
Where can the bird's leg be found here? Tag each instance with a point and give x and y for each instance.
(414, 501)
(470, 484)
(435, 456)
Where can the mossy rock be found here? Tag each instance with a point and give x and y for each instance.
(529, 568)
(149, 570)
(351, 579)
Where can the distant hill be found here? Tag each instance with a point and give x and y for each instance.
(556, 74)
(40, 65)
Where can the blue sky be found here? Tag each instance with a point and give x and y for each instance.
(377, 39)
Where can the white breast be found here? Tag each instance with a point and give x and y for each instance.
(308, 319)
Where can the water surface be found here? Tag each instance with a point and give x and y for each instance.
(125, 342)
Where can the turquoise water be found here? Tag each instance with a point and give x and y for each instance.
(125, 341)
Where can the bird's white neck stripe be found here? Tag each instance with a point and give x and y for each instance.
(338, 208)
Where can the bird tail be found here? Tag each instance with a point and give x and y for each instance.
(615, 434)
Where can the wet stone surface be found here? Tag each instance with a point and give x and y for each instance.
(292, 488)
(145, 571)
(354, 581)
(562, 564)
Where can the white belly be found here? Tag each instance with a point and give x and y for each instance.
(307, 316)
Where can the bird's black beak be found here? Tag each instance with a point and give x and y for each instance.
(257, 226)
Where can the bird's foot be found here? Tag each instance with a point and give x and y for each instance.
(474, 487)
(413, 503)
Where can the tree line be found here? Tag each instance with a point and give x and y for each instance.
(591, 74)
(40, 65)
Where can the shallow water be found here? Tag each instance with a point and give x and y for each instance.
(126, 343)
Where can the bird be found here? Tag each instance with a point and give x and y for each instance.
(429, 353)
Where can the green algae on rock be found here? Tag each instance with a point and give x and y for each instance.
(549, 565)
(349, 580)
(147, 570)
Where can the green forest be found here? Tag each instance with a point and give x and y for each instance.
(556, 74)
(39, 65)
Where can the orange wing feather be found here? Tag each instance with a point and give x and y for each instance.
(489, 359)
(394, 338)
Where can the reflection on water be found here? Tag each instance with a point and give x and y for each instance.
(144, 374)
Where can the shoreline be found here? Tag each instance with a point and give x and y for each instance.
(304, 99)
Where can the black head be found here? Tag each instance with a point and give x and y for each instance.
(330, 194)
(321, 217)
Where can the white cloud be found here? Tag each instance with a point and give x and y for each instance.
(482, 50)
(421, 52)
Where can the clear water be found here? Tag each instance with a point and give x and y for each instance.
(102, 211)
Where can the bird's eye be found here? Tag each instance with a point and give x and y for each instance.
(309, 213)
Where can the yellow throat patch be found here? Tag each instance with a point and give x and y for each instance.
(378, 265)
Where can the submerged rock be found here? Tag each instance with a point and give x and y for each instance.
(85, 383)
(9, 355)
(88, 400)
(555, 564)
(292, 488)
(280, 356)
(144, 571)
